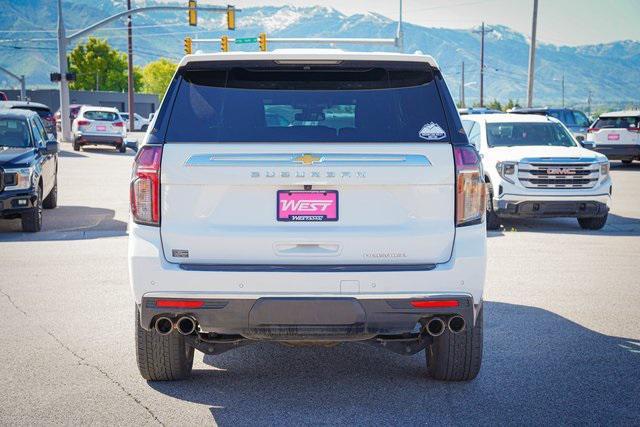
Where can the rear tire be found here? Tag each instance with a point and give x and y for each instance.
(593, 223)
(51, 201)
(76, 146)
(456, 357)
(32, 219)
(493, 220)
(122, 148)
(162, 357)
(144, 128)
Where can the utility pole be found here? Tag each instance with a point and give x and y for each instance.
(64, 84)
(482, 32)
(562, 90)
(589, 103)
(130, 83)
(462, 88)
(532, 54)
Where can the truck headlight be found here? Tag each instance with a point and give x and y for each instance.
(24, 177)
(507, 170)
(604, 168)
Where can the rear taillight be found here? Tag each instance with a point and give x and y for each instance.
(118, 124)
(636, 130)
(83, 122)
(145, 186)
(591, 130)
(470, 187)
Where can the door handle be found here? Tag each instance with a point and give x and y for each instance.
(307, 249)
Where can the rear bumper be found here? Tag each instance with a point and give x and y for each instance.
(307, 318)
(619, 152)
(113, 140)
(374, 291)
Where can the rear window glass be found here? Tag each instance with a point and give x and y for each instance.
(14, 133)
(103, 116)
(308, 104)
(617, 122)
(521, 134)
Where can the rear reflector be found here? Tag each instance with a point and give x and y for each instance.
(118, 124)
(178, 303)
(435, 303)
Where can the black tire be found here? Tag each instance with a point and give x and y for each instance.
(32, 219)
(51, 201)
(456, 357)
(122, 148)
(493, 220)
(627, 162)
(593, 223)
(162, 357)
(76, 146)
(144, 128)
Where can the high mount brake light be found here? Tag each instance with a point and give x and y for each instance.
(470, 188)
(145, 186)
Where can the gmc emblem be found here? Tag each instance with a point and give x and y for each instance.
(560, 171)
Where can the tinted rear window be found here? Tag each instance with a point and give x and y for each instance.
(103, 116)
(308, 104)
(617, 122)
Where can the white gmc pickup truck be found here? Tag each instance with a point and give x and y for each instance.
(534, 168)
(306, 197)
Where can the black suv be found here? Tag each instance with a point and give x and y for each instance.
(575, 120)
(28, 168)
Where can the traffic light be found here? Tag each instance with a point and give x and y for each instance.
(193, 13)
(187, 45)
(262, 41)
(231, 17)
(224, 43)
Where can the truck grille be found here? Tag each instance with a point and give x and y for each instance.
(562, 174)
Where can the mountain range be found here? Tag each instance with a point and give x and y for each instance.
(609, 72)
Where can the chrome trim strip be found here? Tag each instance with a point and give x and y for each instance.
(283, 160)
(307, 268)
(567, 160)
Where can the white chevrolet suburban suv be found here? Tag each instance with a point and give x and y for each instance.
(307, 197)
(534, 168)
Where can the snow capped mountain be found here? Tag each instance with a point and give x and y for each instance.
(608, 71)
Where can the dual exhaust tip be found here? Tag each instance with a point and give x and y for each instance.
(185, 325)
(436, 326)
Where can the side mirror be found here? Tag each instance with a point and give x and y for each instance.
(589, 145)
(52, 147)
(131, 144)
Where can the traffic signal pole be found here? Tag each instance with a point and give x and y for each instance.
(64, 41)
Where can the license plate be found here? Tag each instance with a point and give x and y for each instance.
(101, 128)
(613, 137)
(307, 205)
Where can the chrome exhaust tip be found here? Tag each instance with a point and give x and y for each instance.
(456, 324)
(186, 325)
(435, 326)
(164, 325)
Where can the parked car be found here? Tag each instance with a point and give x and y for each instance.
(98, 126)
(576, 121)
(534, 168)
(73, 113)
(28, 168)
(139, 122)
(359, 218)
(617, 135)
(43, 111)
(3, 96)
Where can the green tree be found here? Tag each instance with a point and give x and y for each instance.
(157, 75)
(100, 67)
(511, 104)
(495, 105)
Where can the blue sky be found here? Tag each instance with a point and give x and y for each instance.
(563, 22)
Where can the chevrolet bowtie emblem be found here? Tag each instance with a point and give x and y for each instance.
(307, 159)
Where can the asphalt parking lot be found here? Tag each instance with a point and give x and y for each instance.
(562, 331)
